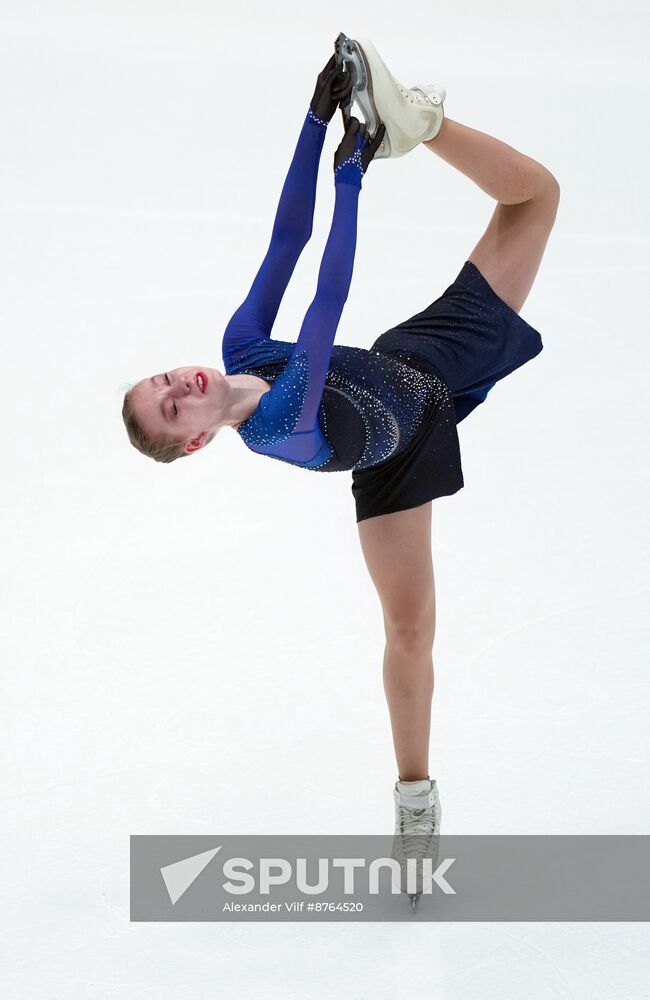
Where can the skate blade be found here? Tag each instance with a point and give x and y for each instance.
(349, 54)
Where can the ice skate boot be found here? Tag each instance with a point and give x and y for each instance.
(411, 115)
(417, 829)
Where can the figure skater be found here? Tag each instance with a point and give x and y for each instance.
(388, 413)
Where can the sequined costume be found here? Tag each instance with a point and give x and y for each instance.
(388, 413)
(330, 407)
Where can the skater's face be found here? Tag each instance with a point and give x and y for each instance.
(180, 406)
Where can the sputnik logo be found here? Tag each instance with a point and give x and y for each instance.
(180, 875)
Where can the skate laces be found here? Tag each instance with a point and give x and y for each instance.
(415, 95)
(415, 820)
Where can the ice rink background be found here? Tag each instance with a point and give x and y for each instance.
(197, 648)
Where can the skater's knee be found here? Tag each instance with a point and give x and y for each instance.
(549, 188)
(411, 630)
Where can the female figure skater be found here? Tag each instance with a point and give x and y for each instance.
(388, 413)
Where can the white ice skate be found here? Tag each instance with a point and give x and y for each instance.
(411, 114)
(417, 828)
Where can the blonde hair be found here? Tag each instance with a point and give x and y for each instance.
(160, 451)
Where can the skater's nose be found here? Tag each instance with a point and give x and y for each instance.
(179, 387)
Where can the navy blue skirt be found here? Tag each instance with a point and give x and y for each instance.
(471, 339)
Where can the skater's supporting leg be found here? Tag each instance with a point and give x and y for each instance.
(511, 249)
(397, 551)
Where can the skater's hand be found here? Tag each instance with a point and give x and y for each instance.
(356, 138)
(333, 89)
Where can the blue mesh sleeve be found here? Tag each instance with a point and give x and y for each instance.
(292, 229)
(316, 337)
(285, 424)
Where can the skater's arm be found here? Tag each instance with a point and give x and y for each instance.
(291, 232)
(293, 222)
(316, 337)
(285, 423)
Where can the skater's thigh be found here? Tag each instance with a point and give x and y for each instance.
(510, 251)
(397, 551)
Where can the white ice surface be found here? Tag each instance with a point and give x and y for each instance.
(178, 642)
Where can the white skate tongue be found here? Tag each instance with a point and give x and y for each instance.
(413, 793)
(415, 787)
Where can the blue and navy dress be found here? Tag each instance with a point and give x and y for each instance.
(386, 413)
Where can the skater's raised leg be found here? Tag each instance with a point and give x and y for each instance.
(510, 251)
